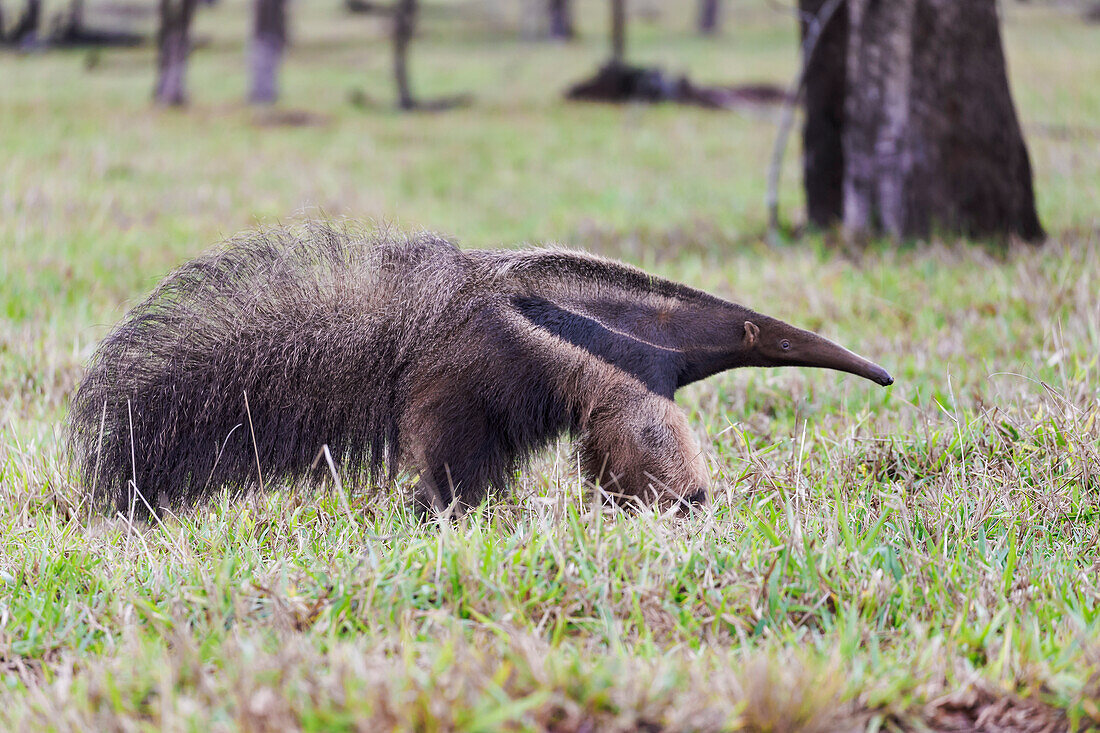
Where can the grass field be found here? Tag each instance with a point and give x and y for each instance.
(925, 555)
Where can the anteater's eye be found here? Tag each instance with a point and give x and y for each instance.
(785, 344)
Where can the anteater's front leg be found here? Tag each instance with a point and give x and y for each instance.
(448, 440)
(637, 444)
(454, 453)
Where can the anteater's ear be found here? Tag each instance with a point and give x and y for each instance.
(751, 332)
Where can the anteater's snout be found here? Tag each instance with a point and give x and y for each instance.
(872, 371)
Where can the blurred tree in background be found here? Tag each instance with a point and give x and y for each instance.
(404, 24)
(561, 19)
(25, 31)
(266, 51)
(910, 124)
(709, 16)
(173, 49)
(618, 31)
(824, 87)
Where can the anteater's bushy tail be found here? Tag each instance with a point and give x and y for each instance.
(258, 354)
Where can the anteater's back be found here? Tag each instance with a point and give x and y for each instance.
(274, 345)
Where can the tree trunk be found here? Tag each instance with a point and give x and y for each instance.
(618, 31)
(931, 139)
(25, 31)
(404, 23)
(266, 52)
(76, 13)
(708, 16)
(824, 86)
(173, 48)
(561, 20)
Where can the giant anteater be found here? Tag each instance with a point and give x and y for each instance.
(406, 351)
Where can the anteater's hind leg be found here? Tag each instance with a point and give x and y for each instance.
(638, 444)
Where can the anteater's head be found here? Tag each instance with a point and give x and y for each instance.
(770, 342)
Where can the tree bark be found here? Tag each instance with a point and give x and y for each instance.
(561, 20)
(173, 48)
(618, 31)
(709, 11)
(930, 137)
(266, 52)
(404, 23)
(824, 86)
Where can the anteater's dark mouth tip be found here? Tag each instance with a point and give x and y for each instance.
(876, 374)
